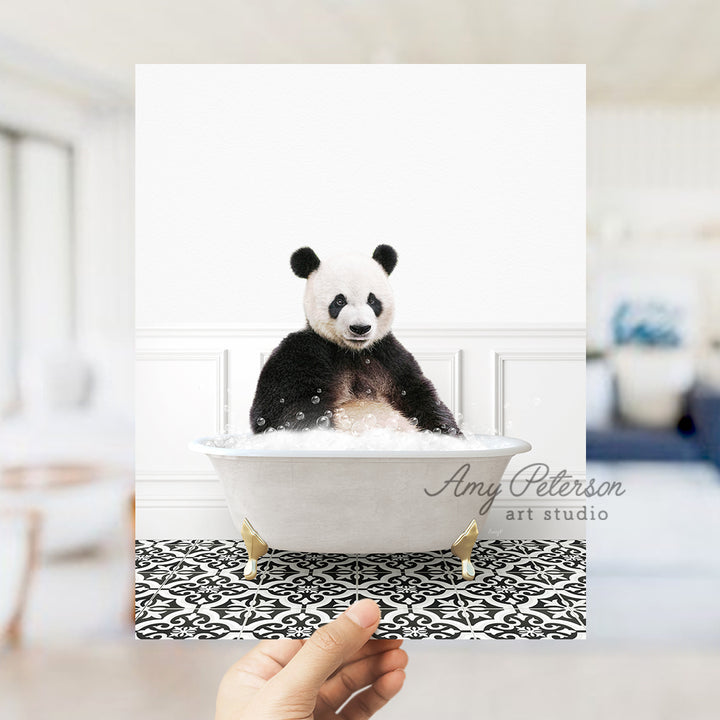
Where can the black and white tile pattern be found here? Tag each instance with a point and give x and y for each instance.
(523, 589)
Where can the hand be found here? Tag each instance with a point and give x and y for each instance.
(314, 678)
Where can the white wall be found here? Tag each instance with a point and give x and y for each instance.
(475, 174)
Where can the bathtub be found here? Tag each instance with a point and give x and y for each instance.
(362, 501)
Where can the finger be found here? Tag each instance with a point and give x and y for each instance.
(375, 647)
(281, 651)
(369, 701)
(328, 648)
(358, 675)
(265, 660)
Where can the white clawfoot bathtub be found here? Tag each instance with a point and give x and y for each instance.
(362, 501)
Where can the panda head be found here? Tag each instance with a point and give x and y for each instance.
(348, 298)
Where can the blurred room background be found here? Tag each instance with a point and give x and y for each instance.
(66, 348)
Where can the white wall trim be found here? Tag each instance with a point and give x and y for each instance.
(454, 359)
(504, 356)
(190, 503)
(171, 476)
(210, 330)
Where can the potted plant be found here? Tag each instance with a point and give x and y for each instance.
(654, 367)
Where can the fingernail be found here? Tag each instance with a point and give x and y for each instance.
(364, 613)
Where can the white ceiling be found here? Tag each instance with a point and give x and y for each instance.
(635, 50)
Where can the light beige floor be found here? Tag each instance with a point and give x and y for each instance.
(176, 681)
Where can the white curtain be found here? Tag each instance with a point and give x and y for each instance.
(37, 281)
(7, 316)
(45, 253)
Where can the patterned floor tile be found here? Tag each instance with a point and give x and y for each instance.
(387, 605)
(207, 589)
(378, 569)
(146, 588)
(336, 568)
(158, 562)
(528, 626)
(522, 589)
(228, 554)
(274, 619)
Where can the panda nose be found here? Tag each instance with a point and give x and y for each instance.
(360, 329)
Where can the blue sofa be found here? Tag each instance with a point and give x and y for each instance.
(697, 436)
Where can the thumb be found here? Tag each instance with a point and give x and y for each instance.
(328, 648)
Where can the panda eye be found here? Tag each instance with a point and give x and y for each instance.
(340, 300)
(375, 304)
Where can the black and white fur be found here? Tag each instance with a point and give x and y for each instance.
(346, 364)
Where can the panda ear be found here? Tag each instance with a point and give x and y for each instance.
(304, 261)
(386, 256)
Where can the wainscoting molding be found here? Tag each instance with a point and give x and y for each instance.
(219, 358)
(504, 357)
(477, 370)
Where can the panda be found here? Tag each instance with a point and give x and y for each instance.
(346, 370)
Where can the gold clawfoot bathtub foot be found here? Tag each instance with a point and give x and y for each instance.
(256, 548)
(462, 548)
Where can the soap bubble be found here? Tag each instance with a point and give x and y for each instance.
(322, 437)
(368, 391)
(282, 401)
(314, 399)
(437, 430)
(414, 421)
(300, 415)
(261, 421)
(403, 392)
(344, 423)
(367, 361)
(280, 428)
(307, 429)
(370, 421)
(318, 391)
(328, 413)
